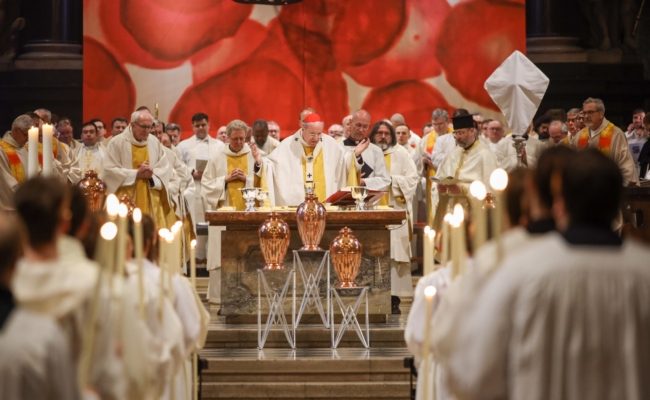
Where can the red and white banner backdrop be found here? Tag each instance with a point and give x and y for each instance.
(257, 61)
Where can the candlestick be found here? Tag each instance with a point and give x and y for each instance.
(479, 215)
(444, 259)
(429, 293)
(32, 151)
(498, 183)
(104, 258)
(122, 213)
(429, 249)
(193, 263)
(139, 260)
(48, 155)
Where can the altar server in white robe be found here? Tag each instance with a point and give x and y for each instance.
(404, 181)
(567, 318)
(471, 160)
(54, 278)
(364, 160)
(137, 165)
(306, 157)
(90, 155)
(184, 318)
(195, 152)
(228, 171)
(36, 360)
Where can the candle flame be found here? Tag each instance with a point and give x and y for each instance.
(137, 215)
(112, 205)
(499, 179)
(176, 227)
(459, 213)
(478, 190)
(122, 210)
(430, 291)
(431, 233)
(193, 243)
(108, 231)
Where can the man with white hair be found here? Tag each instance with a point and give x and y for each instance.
(336, 132)
(346, 122)
(607, 137)
(136, 165)
(558, 133)
(504, 149)
(306, 158)
(274, 130)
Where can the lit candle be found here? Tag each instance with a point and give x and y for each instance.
(169, 257)
(429, 249)
(459, 216)
(478, 193)
(162, 251)
(112, 206)
(122, 213)
(429, 294)
(193, 263)
(32, 152)
(48, 155)
(498, 182)
(104, 257)
(177, 231)
(138, 245)
(445, 240)
(454, 223)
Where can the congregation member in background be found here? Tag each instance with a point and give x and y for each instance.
(65, 134)
(174, 131)
(274, 130)
(558, 133)
(265, 143)
(336, 132)
(118, 125)
(573, 121)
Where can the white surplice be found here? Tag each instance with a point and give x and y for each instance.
(90, 158)
(558, 321)
(214, 177)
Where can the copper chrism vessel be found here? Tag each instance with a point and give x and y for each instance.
(345, 252)
(310, 218)
(274, 241)
(94, 189)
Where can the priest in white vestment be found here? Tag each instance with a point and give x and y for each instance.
(471, 160)
(137, 166)
(364, 161)
(566, 318)
(504, 149)
(13, 158)
(306, 157)
(229, 170)
(90, 155)
(404, 181)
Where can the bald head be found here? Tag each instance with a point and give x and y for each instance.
(360, 125)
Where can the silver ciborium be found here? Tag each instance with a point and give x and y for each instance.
(261, 197)
(249, 195)
(359, 194)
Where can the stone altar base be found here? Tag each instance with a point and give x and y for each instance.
(241, 257)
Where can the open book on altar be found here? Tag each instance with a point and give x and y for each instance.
(344, 197)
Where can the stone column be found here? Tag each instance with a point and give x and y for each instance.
(54, 35)
(547, 39)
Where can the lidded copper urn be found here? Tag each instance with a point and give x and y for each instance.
(310, 218)
(274, 241)
(94, 189)
(345, 252)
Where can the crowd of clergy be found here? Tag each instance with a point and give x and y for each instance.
(554, 305)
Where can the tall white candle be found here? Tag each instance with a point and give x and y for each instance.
(177, 231)
(32, 152)
(193, 263)
(48, 155)
(139, 259)
(429, 249)
(498, 182)
(122, 212)
(478, 193)
(429, 293)
(162, 251)
(445, 240)
(459, 215)
(112, 206)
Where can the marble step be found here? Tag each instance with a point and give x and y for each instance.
(309, 390)
(307, 336)
(305, 374)
(306, 365)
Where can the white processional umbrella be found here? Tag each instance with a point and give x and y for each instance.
(517, 87)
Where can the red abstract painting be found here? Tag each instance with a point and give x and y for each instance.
(232, 60)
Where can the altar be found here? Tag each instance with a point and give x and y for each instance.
(241, 258)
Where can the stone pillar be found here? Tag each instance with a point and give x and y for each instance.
(546, 39)
(53, 34)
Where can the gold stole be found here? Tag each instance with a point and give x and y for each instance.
(235, 198)
(319, 173)
(353, 174)
(385, 199)
(152, 202)
(15, 165)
